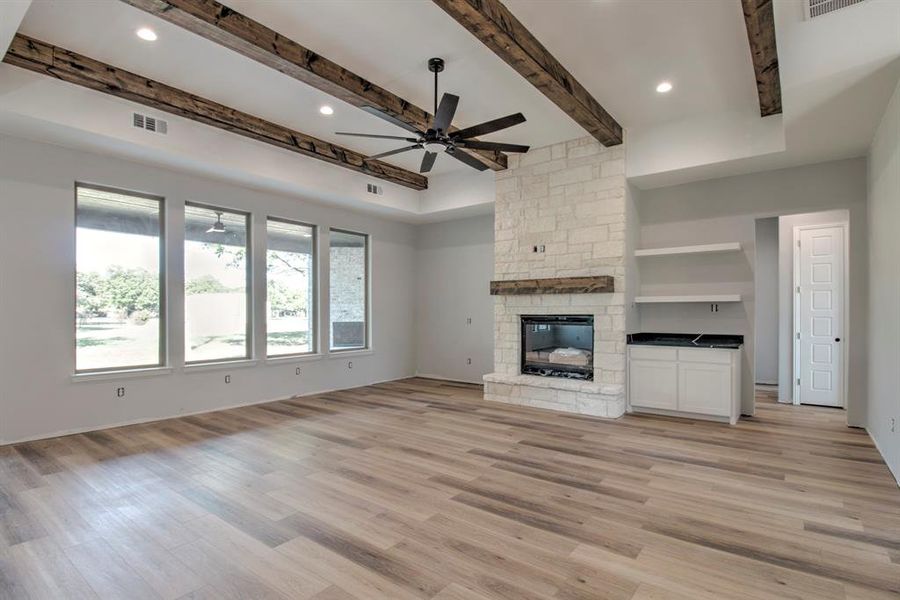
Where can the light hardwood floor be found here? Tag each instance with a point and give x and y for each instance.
(419, 489)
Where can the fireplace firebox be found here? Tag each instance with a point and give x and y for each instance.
(558, 346)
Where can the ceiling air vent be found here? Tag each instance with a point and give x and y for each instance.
(374, 189)
(817, 8)
(150, 123)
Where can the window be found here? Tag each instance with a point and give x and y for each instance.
(349, 291)
(216, 284)
(119, 316)
(290, 288)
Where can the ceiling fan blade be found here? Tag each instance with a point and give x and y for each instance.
(427, 162)
(488, 127)
(469, 160)
(445, 111)
(392, 152)
(391, 119)
(380, 137)
(498, 146)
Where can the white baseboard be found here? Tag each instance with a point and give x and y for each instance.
(883, 456)
(442, 378)
(76, 431)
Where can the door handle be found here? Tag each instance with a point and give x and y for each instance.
(837, 339)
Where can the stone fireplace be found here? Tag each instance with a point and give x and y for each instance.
(560, 238)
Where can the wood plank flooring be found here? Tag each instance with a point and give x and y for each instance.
(419, 489)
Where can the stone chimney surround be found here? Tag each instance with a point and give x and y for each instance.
(568, 202)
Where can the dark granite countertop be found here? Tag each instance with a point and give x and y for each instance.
(687, 340)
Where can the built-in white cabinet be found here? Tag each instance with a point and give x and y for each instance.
(695, 382)
(655, 384)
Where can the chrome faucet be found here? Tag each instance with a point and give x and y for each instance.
(696, 339)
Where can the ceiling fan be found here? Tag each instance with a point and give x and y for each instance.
(438, 138)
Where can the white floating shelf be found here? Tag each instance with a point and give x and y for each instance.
(702, 249)
(707, 298)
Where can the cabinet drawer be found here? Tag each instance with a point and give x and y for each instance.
(705, 355)
(653, 353)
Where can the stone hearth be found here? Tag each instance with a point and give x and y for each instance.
(570, 200)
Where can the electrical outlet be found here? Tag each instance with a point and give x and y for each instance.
(228, 379)
(349, 364)
(298, 370)
(120, 392)
(468, 361)
(893, 425)
(469, 321)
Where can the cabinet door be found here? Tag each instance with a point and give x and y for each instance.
(653, 384)
(704, 388)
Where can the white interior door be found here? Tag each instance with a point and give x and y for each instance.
(820, 316)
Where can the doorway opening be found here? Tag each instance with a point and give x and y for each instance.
(802, 308)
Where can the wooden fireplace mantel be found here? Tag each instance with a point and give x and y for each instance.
(598, 284)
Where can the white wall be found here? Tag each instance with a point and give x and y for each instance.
(697, 147)
(767, 301)
(726, 209)
(884, 297)
(37, 394)
(454, 267)
(457, 195)
(785, 316)
(632, 242)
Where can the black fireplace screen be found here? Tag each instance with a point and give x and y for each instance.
(558, 346)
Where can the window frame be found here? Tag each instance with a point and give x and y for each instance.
(163, 353)
(314, 309)
(367, 342)
(249, 345)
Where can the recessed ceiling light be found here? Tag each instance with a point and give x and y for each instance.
(147, 34)
(664, 87)
(326, 110)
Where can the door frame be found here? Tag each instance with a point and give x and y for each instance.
(845, 312)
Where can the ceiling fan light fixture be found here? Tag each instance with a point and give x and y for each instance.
(433, 147)
(218, 226)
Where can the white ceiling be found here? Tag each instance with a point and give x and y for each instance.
(621, 49)
(837, 74)
(366, 44)
(836, 71)
(389, 42)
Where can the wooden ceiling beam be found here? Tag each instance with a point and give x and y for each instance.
(760, 21)
(492, 23)
(47, 59)
(227, 27)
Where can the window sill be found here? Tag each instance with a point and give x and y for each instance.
(342, 353)
(124, 374)
(221, 365)
(292, 358)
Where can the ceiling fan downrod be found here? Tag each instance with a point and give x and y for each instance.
(435, 65)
